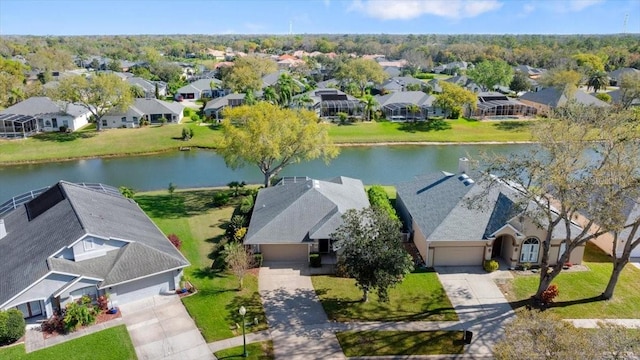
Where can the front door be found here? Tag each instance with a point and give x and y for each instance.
(324, 246)
(30, 309)
(496, 250)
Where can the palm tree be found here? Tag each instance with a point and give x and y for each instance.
(597, 80)
(286, 88)
(270, 95)
(303, 101)
(370, 104)
(213, 86)
(413, 110)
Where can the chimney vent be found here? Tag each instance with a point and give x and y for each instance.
(463, 165)
(3, 230)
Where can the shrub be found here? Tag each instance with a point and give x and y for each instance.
(175, 240)
(221, 198)
(185, 134)
(257, 260)
(12, 326)
(604, 97)
(195, 117)
(127, 192)
(424, 76)
(315, 260)
(378, 198)
(53, 324)
(550, 293)
(491, 265)
(103, 300)
(236, 223)
(79, 314)
(246, 204)
(63, 128)
(239, 234)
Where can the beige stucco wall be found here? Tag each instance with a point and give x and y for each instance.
(420, 241)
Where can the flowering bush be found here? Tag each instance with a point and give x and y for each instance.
(175, 240)
(550, 294)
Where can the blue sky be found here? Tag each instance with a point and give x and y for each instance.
(117, 17)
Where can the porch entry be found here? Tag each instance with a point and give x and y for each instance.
(496, 250)
(30, 309)
(324, 246)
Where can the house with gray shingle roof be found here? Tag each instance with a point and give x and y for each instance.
(399, 83)
(397, 106)
(72, 240)
(450, 227)
(616, 75)
(40, 113)
(152, 110)
(203, 88)
(298, 215)
(551, 98)
(149, 87)
(213, 108)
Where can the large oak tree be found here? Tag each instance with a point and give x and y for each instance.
(272, 138)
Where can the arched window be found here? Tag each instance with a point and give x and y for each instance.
(530, 250)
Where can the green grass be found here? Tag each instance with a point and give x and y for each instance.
(377, 343)
(389, 189)
(110, 344)
(579, 291)
(257, 351)
(151, 139)
(200, 225)
(461, 130)
(420, 297)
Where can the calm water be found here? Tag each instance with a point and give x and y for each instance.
(374, 165)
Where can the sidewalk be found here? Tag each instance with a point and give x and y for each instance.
(35, 341)
(237, 341)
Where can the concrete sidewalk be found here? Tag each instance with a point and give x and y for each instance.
(237, 341)
(35, 341)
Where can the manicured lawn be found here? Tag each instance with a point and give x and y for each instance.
(372, 343)
(150, 139)
(579, 290)
(420, 297)
(111, 344)
(460, 130)
(257, 351)
(89, 143)
(200, 225)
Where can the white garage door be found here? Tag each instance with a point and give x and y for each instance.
(636, 252)
(144, 288)
(458, 256)
(291, 253)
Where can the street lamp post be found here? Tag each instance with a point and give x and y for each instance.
(243, 312)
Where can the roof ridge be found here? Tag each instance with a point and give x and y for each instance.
(66, 194)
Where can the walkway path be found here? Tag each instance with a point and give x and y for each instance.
(35, 341)
(161, 329)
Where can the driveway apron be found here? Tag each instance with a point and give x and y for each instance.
(298, 324)
(479, 304)
(161, 329)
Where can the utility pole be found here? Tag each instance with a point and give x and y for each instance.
(624, 25)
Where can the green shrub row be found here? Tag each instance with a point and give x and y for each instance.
(378, 198)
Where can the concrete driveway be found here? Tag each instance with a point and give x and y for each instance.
(298, 324)
(161, 329)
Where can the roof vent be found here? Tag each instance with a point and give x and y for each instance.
(316, 184)
(463, 177)
(3, 230)
(463, 165)
(468, 182)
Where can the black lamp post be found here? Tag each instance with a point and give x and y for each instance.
(243, 312)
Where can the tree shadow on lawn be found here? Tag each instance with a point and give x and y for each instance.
(208, 273)
(512, 126)
(425, 126)
(64, 136)
(530, 303)
(253, 304)
(181, 204)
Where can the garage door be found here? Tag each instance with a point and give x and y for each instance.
(144, 288)
(291, 253)
(458, 256)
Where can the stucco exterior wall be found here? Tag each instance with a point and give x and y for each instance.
(42, 291)
(81, 250)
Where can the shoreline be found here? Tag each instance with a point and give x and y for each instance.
(358, 144)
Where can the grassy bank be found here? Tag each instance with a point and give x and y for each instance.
(200, 225)
(88, 143)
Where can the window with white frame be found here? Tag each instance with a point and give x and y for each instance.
(530, 250)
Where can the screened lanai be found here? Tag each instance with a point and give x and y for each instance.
(17, 126)
(405, 111)
(329, 108)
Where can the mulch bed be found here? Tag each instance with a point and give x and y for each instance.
(101, 318)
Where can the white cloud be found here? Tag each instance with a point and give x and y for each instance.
(411, 9)
(577, 5)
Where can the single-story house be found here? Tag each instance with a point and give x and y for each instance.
(298, 215)
(214, 108)
(531, 72)
(72, 240)
(616, 98)
(450, 231)
(152, 110)
(149, 87)
(465, 82)
(551, 98)
(494, 105)
(399, 83)
(631, 212)
(198, 89)
(40, 113)
(396, 106)
(328, 103)
(616, 75)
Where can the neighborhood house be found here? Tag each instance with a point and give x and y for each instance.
(37, 114)
(152, 110)
(70, 240)
(456, 221)
(297, 216)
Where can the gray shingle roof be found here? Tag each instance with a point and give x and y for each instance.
(25, 251)
(439, 205)
(553, 97)
(406, 97)
(151, 106)
(40, 105)
(295, 212)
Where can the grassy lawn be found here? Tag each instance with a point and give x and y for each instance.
(200, 225)
(257, 351)
(372, 343)
(113, 142)
(420, 297)
(460, 130)
(111, 344)
(579, 290)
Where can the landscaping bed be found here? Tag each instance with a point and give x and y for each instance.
(379, 343)
(420, 297)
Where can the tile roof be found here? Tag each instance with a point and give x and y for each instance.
(296, 212)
